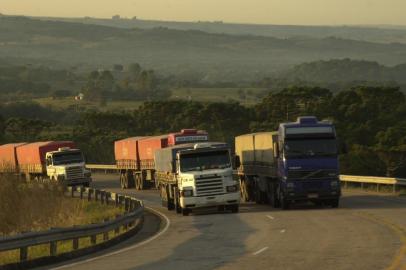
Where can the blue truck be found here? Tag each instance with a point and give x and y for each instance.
(297, 163)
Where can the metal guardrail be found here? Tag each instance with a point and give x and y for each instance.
(343, 178)
(133, 213)
(378, 181)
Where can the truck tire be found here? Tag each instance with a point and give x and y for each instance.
(235, 208)
(178, 208)
(138, 182)
(273, 195)
(122, 181)
(185, 211)
(335, 203)
(285, 204)
(171, 204)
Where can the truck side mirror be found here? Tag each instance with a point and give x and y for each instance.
(237, 162)
(275, 150)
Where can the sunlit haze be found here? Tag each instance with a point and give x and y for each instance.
(309, 12)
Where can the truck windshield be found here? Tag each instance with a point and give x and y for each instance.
(204, 161)
(67, 158)
(302, 148)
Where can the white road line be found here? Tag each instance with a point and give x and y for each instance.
(124, 249)
(270, 217)
(283, 231)
(260, 251)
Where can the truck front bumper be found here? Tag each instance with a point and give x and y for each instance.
(313, 196)
(210, 201)
(77, 181)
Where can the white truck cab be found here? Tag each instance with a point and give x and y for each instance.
(67, 166)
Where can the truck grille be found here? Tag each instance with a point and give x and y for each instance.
(311, 174)
(74, 172)
(209, 185)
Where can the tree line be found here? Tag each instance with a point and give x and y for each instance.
(370, 122)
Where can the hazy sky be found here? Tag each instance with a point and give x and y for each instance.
(249, 11)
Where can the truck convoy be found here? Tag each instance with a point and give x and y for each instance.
(189, 171)
(299, 162)
(57, 161)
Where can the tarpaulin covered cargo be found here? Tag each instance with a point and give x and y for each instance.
(165, 158)
(31, 157)
(8, 157)
(256, 148)
(187, 136)
(126, 152)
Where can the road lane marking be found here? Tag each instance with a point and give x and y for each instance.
(124, 249)
(260, 251)
(283, 231)
(270, 217)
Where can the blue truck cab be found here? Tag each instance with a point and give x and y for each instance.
(307, 162)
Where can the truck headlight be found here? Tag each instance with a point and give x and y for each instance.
(186, 193)
(233, 188)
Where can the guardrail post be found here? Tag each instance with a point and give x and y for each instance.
(107, 196)
(89, 194)
(75, 243)
(23, 254)
(106, 234)
(53, 248)
(93, 239)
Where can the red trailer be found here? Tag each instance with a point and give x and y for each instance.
(135, 156)
(8, 158)
(31, 157)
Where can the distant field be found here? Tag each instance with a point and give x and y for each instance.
(246, 96)
(67, 102)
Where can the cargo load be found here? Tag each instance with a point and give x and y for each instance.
(31, 157)
(8, 157)
(147, 148)
(126, 152)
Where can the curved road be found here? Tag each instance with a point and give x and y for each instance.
(368, 231)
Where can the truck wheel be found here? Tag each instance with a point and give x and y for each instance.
(185, 211)
(285, 204)
(235, 208)
(138, 181)
(273, 196)
(335, 203)
(170, 205)
(178, 208)
(122, 180)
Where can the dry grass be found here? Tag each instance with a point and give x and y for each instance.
(34, 208)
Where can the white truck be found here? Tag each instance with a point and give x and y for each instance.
(195, 176)
(56, 161)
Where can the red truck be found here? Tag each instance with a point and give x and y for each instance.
(57, 161)
(135, 156)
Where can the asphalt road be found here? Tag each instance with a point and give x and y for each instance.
(368, 231)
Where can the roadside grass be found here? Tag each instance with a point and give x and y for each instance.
(388, 189)
(26, 208)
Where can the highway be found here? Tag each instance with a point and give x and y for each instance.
(368, 231)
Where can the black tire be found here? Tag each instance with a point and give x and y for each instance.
(138, 181)
(185, 211)
(285, 204)
(273, 196)
(122, 181)
(235, 208)
(178, 208)
(171, 204)
(130, 180)
(335, 203)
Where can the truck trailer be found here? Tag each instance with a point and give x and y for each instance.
(135, 156)
(195, 176)
(55, 161)
(299, 162)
